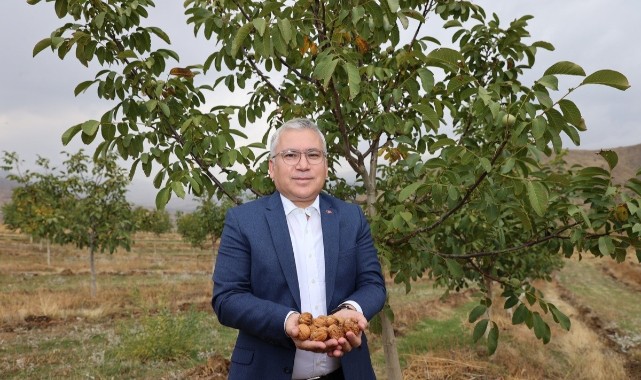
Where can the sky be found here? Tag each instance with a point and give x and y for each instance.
(37, 103)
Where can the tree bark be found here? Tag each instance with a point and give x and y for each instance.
(48, 253)
(92, 265)
(392, 362)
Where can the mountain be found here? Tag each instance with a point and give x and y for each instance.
(627, 167)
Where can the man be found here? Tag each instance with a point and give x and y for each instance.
(298, 250)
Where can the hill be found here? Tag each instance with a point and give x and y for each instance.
(629, 160)
(6, 187)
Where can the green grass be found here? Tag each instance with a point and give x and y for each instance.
(610, 299)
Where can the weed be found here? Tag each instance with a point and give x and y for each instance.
(161, 337)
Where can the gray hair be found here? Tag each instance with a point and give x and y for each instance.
(296, 124)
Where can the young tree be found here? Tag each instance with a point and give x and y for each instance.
(100, 218)
(155, 221)
(464, 204)
(205, 223)
(37, 205)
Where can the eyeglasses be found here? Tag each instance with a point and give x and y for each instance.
(292, 157)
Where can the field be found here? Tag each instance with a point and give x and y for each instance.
(152, 319)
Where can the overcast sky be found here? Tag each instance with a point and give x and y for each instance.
(37, 103)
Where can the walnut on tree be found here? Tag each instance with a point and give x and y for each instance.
(304, 332)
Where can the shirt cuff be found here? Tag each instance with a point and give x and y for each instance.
(285, 322)
(355, 305)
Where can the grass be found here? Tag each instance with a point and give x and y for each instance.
(152, 319)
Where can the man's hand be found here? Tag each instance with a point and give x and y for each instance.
(291, 329)
(351, 340)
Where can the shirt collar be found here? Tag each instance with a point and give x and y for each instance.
(289, 206)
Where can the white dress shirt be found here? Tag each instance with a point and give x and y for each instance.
(306, 233)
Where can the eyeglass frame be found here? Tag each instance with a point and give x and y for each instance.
(300, 156)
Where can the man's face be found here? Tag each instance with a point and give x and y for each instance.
(299, 183)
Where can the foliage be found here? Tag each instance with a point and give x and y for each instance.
(155, 221)
(164, 336)
(204, 224)
(38, 204)
(76, 205)
(446, 143)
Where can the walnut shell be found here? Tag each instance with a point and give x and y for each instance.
(350, 324)
(304, 332)
(320, 321)
(335, 332)
(331, 320)
(319, 334)
(305, 318)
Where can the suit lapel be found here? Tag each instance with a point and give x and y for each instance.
(277, 222)
(330, 223)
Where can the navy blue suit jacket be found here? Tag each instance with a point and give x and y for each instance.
(256, 285)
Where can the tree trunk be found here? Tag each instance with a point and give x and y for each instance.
(48, 253)
(92, 265)
(392, 362)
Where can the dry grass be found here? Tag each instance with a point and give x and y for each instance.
(48, 317)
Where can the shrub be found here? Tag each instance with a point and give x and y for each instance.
(165, 336)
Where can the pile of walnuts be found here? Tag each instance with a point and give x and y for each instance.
(325, 327)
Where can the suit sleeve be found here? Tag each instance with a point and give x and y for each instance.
(233, 301)
(370, 292)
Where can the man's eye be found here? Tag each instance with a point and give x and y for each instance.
(313, 155)
(290, 155)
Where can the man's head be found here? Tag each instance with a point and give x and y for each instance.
(298, 163)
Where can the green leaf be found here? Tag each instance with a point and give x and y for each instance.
(160, 33)
(486, 164)
(429, 114)
(260, 24)
(325, 69)
(393, 5)
(520, 314)
(179, 189)
(541, 329)
(239, 38)
(445, 58)
(539, 126)
(565, 68)
(353, 79)
(476, 313)
(90, 127)
(41, 45)
(455, 269)
(441, 143)
(606, 246)
(427, 79)
(82, 87)
(408, 190)
(544, 45)
(70, 133)
(479, 330)
(608, 78)
(493, 339)
(549, 81)
(571, 112)
(560, 318)
(538, 196)
(611, 157)
(162, 198)
(634, 185)
(285, 28)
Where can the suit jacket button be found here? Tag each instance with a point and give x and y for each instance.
(287, 370)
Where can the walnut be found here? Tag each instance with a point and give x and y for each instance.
(319, 334)
(331, 320)
(350, 324)
(335, 332)
(320, 321)
(305, 318)
(304, 332)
